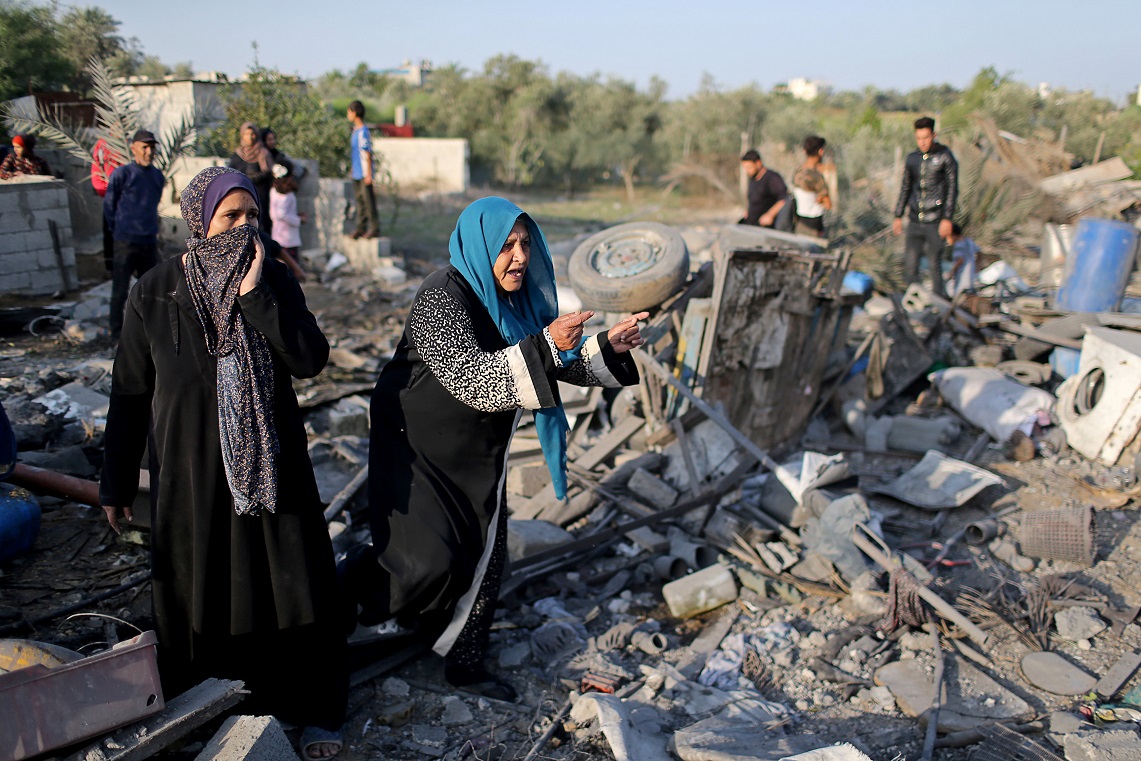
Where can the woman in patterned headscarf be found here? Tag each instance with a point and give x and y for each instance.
(242, 565)
(484, 344)
(255, 160)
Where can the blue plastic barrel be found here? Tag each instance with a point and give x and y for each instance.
(19, 521)
(1098, 268)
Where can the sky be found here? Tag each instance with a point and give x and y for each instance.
(850, 44)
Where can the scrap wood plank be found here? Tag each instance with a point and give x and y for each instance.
(182, 715)
(606, 445)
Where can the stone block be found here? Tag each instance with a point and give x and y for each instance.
(17, 282)
(364, 254)
(528, 479)
(529, 537)
(1104, 745)
(21, 261)
(249, 738)
(16, 221)
(12, 242)
(652, 489)
(349, 417)
(44, 281)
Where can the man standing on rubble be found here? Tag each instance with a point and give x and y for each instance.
(766, 193)
(929, 191)
(130, 207)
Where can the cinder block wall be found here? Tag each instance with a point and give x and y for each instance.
(28, 261)
(426, 165)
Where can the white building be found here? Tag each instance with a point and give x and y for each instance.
(415, 74)
(806, 89)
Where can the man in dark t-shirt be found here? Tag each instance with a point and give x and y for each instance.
(766, 194)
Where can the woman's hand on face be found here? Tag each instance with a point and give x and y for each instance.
(626, 335)
(253, 277)
(113, 514)
(566, 331)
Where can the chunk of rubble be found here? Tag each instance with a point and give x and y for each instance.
(74, 401)
(969, 696)
(1051, 672)
(1078, 623)
(705, 590)
(1107, 745)
(939, 482)
(249, 738)
(527, 537)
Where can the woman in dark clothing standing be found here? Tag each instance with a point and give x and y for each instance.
(254, 160)
(242, 566)
(482, 344)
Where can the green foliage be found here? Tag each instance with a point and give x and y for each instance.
(305, 126)
(30, 58)
(116, 120)
(92, 33)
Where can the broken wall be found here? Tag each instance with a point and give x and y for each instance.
(28, 261)
(429, 165)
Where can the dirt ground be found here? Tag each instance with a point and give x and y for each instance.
(408, 711)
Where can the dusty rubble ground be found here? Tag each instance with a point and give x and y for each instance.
(404, 709)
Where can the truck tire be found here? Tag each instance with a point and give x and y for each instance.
(630, 267)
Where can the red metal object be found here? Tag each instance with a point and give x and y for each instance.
(48, 708)
(42, 481)
(592, 681)
(392, 130)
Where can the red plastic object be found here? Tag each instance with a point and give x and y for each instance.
(592, 681)
(42, 708)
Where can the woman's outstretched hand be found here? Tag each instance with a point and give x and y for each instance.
(566, 331)
(626, 335)
(253, 276)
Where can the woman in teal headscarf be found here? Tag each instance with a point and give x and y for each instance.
(483, 344)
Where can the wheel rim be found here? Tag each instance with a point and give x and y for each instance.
(625, 255)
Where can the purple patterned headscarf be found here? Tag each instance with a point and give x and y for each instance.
(215, 267)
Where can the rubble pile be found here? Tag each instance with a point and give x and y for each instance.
(828, 524)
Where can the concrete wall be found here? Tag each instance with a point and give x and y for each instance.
(426, 165)
(163, 105)
(28, 261)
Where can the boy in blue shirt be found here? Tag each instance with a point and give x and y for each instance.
(361, 150)
(964, 267)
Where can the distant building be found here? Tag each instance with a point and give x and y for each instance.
(1137, 100)
(415, 75)
(806, 89)
(1044, 90)
(164, 103)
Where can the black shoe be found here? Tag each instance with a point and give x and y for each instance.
(479, 681)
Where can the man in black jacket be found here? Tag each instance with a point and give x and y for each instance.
(928, 192)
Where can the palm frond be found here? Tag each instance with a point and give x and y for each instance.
(47, 127)
(115, 111)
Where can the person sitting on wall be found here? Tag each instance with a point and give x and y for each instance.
(23, 159)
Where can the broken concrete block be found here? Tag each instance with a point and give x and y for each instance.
(70, 460)
(390, 275)
(1078, 623)
(1118, 675)
(528, 479)
(514, 656)
(433, 738)
(1065, 723)
(650, 488)
(648, 539)
(1103, 745)
(528, 537)
(249, 738)
(77, 402)
(1051, 672)
(718, 738)
(455, 711)
(704, 590)
(349, 417)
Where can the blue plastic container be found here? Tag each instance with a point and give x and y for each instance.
(19, 521)
(1065, 361)
(1098, 268)
(858, 282)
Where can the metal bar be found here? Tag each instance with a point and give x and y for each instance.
(866, 541)
(786, 478)
(345, 494)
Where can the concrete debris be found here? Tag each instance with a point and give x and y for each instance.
(1078, 623)
(249, 738)
(1051, 672)
(939, 482)
(705, 590)
(1109, 745)
(773, 621)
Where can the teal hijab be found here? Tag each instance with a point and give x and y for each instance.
(479, 236)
